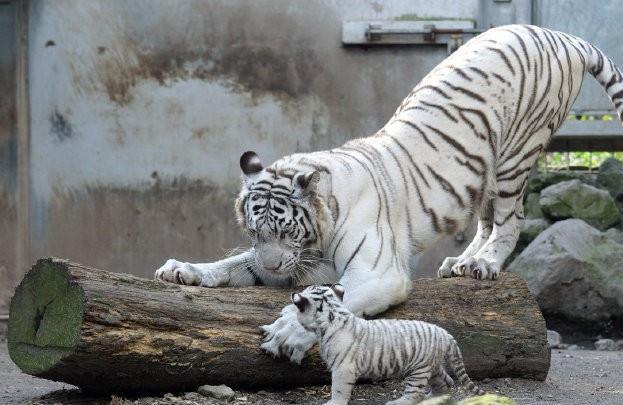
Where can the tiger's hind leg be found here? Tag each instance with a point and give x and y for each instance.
(455, 266)
(416, 387)
(441, 381)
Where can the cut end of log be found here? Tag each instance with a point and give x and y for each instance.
(45, 317)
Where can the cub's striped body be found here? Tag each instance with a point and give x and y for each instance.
(355, 348)
(459, 146)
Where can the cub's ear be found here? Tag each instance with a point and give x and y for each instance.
(250, 163)
(300, 301)
(338, 289)
(306, 182)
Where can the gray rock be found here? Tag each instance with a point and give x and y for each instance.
(619, 344)
(574, 271)
(574, 347)
(543, 180)
(553, 339)
(192, 395)
(216, 391)
(605, 345)
(574, 199)
(531, 228)
(615, 234)
(610, 177)
(532, 208)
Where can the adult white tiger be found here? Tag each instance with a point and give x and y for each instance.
(461, 143)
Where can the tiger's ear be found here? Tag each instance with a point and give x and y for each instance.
(307, 182)
(300, 301)
(250, 163)
(338, 289)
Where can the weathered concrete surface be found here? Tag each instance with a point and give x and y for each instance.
(8, 157)
(140, 111)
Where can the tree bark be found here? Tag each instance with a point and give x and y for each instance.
(109, 332)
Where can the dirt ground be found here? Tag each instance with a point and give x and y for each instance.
(575, 377)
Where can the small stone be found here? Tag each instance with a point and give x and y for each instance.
(573, 347)
(192, 395)
(553, 339)
(568, 356)
(216, 391)
(605, 345)
(619, 344)
(168, 395)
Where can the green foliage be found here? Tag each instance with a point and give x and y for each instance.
(565, 160)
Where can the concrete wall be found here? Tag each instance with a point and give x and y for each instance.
(140, 111)
(8, 152)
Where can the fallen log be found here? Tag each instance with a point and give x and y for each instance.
(108, 332)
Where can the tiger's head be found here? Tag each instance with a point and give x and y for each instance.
(319, 305)
(287, 221)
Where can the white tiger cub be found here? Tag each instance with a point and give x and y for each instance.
(354, 348)
(459, 146)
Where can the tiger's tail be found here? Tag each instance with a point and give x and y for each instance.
(606, 73)
(458, 367)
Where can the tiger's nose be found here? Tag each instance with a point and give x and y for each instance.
(269, 257)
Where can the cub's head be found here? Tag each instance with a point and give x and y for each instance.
(316, 304)
(283, 215)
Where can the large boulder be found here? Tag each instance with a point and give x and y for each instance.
(530, 229)
(531, 207)
(541, 180)
(610, 177)
(615, 234)
(574, 199)
(575, 272)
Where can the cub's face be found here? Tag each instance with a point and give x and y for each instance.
(316, 303)
(279, 210)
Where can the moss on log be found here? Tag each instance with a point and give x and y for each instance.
(108, 332)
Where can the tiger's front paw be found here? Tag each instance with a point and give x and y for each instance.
(478, 268)
(178, 272)
(286, 337)
(447, 268)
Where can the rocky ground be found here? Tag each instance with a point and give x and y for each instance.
(576, 377)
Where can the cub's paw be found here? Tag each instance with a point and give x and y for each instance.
(286, 337)
(478, 268)
(177, 272)
(407, 399)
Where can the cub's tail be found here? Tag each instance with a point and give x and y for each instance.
(458, 367)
